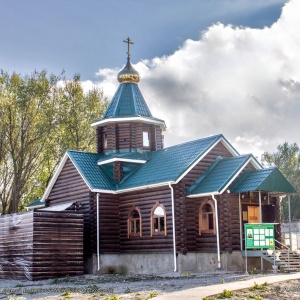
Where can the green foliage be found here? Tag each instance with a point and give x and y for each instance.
(40, 117)
(254, 271)
(152, 295)
(66, 295)
(261, 287)
(287, 159)
(225, 294)
(114, 297)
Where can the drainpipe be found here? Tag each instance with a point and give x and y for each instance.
(290, 229)
(217, 229)
(98, 235)
(173, 225)
(260, 210)
(241, 226)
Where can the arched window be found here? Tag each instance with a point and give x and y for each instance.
(207, 217)
(134, 223)
(158, 220)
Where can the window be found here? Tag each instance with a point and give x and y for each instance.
(134, 222)
(207, 217)
(158, 220)
(105, 142)
(146, 140)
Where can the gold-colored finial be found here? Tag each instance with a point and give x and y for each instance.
(128, 44)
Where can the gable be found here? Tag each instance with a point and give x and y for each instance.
(218, 150)
(269, 180)
(69, 186)
(220, 174)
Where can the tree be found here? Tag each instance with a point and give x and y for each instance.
(27, 118)
(40, 117)
(287, 159)
(75, 111)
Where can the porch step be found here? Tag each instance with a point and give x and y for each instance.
(288, 260)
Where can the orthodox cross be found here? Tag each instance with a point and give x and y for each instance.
(128, 43)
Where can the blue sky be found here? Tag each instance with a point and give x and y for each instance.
(83, 36)
(207, 67)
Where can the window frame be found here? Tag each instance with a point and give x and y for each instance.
(200, 217)
(152, 217)
(105, 140)
(148, 136)
(129, 223)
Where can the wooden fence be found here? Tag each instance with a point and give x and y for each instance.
(41, 244)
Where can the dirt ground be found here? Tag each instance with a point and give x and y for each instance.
(278, 291)
(140, 287)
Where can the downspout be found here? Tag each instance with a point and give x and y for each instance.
(260, 210)
(290, 229)
(241, 226)
(173, 225)
(217, 230)
(98, 235)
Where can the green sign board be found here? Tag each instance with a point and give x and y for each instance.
(259, 236)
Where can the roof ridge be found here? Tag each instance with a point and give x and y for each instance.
(81, 151)
(189, 142)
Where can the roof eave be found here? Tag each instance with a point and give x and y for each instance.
(224, 142)
(161, 123)
(166, 183)
(203, 194)
(251, 159)
(108, 161)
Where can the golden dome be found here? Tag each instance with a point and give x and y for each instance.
(128, 74)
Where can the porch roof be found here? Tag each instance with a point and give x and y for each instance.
(269, 180)
(219, 175)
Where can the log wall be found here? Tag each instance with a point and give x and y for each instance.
(145, 200)
(40, 245)
(70, 187)
(218, 150)
(109, 219)
(128, 136)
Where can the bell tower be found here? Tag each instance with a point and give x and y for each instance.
(128, 125)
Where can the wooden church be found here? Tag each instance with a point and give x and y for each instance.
(150, 209)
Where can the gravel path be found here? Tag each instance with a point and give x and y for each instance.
(104, 287)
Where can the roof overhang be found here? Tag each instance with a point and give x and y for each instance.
(225, 187)
(158, 122)
(150, 186)
(115, 159)
(223, 141)
(58, 207)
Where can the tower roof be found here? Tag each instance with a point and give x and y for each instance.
(128, 102)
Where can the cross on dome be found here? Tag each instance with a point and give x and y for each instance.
(128, 44)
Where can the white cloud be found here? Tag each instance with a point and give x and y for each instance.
(242, 82)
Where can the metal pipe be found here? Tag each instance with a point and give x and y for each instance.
(290, 227)
(98, 235)
(173, 225)
(241, 226)
(260, 211)
(217, 231)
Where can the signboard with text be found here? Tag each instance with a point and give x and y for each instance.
(259, 235)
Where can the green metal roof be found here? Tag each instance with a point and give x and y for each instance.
(218, 175)
(36, 203)
(269, 180)
(135, 155)
(169, 164)
(94, 175)
(127, 101)
(162, 166)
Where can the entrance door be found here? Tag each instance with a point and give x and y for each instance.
(253, 214)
